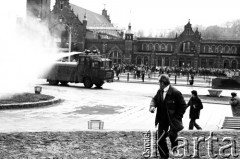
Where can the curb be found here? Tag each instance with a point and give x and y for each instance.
(29, 104)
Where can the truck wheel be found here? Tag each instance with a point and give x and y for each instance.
(99, 84)
(53, 82)
(88, 83)
(64, 83)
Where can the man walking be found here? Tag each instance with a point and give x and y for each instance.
(171, 107)
(196, 105)
(143, 73)
(235, 104)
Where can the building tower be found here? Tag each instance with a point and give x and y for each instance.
(104, 13)
(127, 57)
(39, 9)
(85, 24)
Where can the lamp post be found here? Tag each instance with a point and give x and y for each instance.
(175, 74)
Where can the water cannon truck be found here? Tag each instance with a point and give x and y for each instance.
(86, 67)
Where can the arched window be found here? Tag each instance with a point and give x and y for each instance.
(157, 47)
(220, 49)
(169, 47)
(206, 49)
(213, 48)
(227, 49)
(181, 62)
(159, 61)
(147, 47)
(234, 49)
(144, 47)
(61, 5)
(211, 63)
(145, 61)
(210, 49)
(234, 64)
(139, 60)
(163, 48)
(226, 64)
(116, 57)
(151, 47)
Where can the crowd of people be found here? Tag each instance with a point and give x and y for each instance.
(139, 71)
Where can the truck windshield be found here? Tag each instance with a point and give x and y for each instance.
(95, 64)
(106, 64)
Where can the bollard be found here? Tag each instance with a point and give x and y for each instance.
(128, 77)
(95, 124)
(38, 89)
(175, 78)
(209, 82)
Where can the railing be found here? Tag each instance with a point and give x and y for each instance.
(174, 78)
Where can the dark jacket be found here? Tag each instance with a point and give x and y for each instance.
(195, 112)
(235, 105)
(175, 106)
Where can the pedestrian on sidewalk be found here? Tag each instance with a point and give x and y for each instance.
(171, 107)
(192, 79)
(143, 73)
(196, 105)
(149, 73)
(235, 104)
(118, 72)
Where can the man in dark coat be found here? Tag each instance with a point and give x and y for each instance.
(235, 104)
(171, 107)
(195, 106)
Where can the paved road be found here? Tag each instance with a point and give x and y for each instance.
(122, 106)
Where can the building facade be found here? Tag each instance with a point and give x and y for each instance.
(38, 8)
(187, 50)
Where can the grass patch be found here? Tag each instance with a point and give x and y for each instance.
(25, 97)
(106, 144)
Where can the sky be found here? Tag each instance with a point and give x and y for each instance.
(156, 15)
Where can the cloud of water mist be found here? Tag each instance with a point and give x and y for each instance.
(26, 50)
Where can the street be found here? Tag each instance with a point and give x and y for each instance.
(121, 106)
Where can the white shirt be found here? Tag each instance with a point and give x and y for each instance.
(165, 91)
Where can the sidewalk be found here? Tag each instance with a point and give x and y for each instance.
(201, 82)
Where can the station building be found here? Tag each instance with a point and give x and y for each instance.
(84, 29)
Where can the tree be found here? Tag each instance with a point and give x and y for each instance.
(140, 33)
(172, 34)
(212, 32)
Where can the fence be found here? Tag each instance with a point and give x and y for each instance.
(174, 78)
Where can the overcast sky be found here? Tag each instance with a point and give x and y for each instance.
(157, 15)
